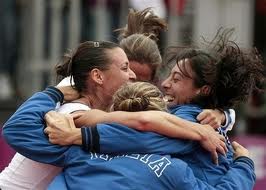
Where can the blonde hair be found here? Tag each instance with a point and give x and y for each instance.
(139, 38)
(138, 96)
(143, 22)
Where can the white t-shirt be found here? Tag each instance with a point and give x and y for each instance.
(23, 173)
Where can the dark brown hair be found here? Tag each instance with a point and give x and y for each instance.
(87, 56)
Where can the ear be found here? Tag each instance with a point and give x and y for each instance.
(97, 76)
(205, 90)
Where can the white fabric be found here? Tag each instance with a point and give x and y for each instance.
(25, 174)
(230, 119)
(72, 107)
(66, 82)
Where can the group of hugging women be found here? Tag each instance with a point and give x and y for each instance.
(107, 125)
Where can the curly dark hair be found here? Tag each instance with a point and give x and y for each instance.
(231, 72)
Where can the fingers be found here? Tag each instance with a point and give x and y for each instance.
(77, 115)
(202, 115)
(215, 157)
(239, 150)
(215, 124)
(222, 138)
(71, 121)
(209, 117)
(236, 146)
(222, 149)
(51, 117)
(206, 117)
(207, 120)
(46, 130)
(212, 121)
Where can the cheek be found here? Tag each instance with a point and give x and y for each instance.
(124, 77)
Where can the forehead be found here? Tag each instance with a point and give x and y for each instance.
(143, 71)
(183, 67)
(117, 56)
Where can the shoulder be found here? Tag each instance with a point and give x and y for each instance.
(188, 112)
(72, 107)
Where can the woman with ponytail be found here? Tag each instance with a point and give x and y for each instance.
(218, 76)
(96, 70)
(139, 41)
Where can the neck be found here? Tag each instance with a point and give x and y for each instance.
(95, 101)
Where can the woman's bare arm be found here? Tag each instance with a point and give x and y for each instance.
(155, 121)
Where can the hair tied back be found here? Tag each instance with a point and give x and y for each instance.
(96, 44)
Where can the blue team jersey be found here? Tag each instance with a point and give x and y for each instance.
(199, 159)
(108, 138)
(86, 170)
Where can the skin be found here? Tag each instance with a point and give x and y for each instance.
(155, 126)
(57, 123)
(102, 84)
(160, 122)
(178, 88)
(143, 71)
(119, 72)
(62, 130)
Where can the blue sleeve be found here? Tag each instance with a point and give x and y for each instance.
(187, 112)
(240, 176)
(24, 130)
(115, 138)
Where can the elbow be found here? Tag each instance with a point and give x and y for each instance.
(6, 134)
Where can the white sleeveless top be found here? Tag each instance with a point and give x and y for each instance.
(23, 173)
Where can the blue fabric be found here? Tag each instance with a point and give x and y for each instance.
(112, 136)
(86, 170)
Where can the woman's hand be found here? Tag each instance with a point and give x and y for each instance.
(61, 129)
(90, 117)
(211, 117)
(239, 150)
(213, 142)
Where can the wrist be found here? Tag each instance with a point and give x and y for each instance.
(76, 137)
(200, 133)
(203, 133)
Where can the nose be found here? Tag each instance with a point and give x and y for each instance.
(132, 75)
(166, 83)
